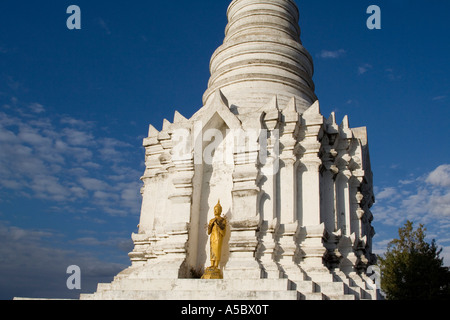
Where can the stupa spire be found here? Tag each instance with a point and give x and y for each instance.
(262, 56)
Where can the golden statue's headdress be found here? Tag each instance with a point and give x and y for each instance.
(218, 207)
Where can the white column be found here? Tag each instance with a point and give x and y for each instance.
(313, 233)
(245, 218)
(270, 171)
(289, 226)
(145, 240)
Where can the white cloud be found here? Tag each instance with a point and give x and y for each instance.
(82, 124)
(92, 184)
(440, 176)
(440, 203)
(406, 181)
(78, 169)
(49, 187)
(13, 84)
(37, 108)
(387, 193)
(113, 241)
(78, 138)
(31, 268)
(64, 159)
(364, 68)
(110, 149)
(445, 254)
(104, 26)
(380, 247)
(439, 98)
(326, 54)
(424, 200)
(391, 74)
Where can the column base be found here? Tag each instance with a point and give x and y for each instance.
(242, 265)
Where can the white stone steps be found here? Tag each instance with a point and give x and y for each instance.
(305, 286)
(331, 288)
(368, 294)
(341, 297)
(196, 289)
(197, 285)
(357, 285)
(229, 289)
(356, 291)
(312, 296)
(192, 295)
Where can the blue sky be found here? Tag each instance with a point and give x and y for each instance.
(76, 104)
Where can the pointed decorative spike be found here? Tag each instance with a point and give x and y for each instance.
(178, 117)
(166, 125)
(272, 113)
(314, 109)
(331, 125)
(273, 104)
(312, 115)
(152, 132)
(345, 123)
(291, 107)
(290, 114)
(332, 119)
(345, 130)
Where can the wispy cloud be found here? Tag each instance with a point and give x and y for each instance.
(439, 98)
(422, 199)
(388, 194)
(102, 23)
(364, 68)
(126, 245)
(37, 270)
(392, 75)
(63, 159)
(327, 54)
(13, 84)
(440, 177)
(37, 108)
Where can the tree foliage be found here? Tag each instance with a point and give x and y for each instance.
(412, 269)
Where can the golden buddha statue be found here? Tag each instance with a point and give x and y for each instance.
(216, 229)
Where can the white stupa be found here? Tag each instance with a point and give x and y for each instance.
(295, 187)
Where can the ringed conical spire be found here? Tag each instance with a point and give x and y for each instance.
(262, 56)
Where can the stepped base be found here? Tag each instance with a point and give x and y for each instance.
(195, 289)
(125, 288)
(193, 295)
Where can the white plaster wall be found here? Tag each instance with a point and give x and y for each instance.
(343, 204)
(148, 208)
(327, 211)
(213, 180)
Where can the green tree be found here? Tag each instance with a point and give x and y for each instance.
(412, 269)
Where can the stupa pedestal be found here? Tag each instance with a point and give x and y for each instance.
(295, 187)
